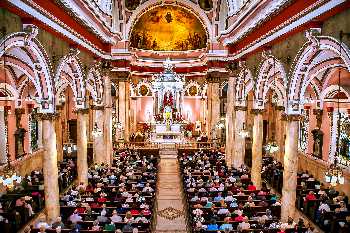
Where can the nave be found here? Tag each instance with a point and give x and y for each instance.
(244, 105)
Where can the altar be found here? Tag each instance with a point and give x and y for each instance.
(167, 133)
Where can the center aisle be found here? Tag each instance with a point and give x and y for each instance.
(171, 210)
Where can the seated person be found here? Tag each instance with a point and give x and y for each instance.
(115, 217)
(244, 225)
(226, 225)
(57, 223)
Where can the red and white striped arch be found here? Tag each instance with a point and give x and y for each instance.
(271, 76)
(94, 84)
(316, 55)
(244, 85)
(69, 73)
(26, 54)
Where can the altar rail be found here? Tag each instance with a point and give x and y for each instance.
(157, 145)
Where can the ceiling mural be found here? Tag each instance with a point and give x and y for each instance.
(168, 28)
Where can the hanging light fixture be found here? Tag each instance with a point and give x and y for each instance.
(61, 99)
(334, 175)
(271, 147)
(96, 132)
(244, 133)
(8, 175)
(221, 123)
(69, 147)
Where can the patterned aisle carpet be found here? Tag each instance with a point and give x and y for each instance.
(170, 207)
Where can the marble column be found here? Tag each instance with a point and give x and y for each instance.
(124, 107)
(3, 139)
(230, 121)
(58, 129)
(133, 112)
(99, 147)
(239, 141)
(290, 167)
(82, 163)
(203, 113)
(213, 107)
(108, 122)
(280, 130)
(50, 167)
(257, 147)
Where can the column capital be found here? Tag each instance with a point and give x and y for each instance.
(257, 111)
(120, 76)
(241, 108)
(317, 112)
(19, 111)
(280, 108)
(59, 107)
(291, 117)
(81, 111)
(97, 107)
(46, 116)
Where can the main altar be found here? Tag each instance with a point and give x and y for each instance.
(167, 125)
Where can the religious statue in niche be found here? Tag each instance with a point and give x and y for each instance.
(168, 106)
(19, 134)
(318, 142)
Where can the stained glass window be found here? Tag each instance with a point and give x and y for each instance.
(303, 130)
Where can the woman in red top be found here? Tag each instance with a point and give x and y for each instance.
(251, 187)
(134, 211)
(310, 197)
(146, 212)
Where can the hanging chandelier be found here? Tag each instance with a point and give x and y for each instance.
(334, 175)
(271, 147)
(69, 147)
(96, 132)
(221, 123)
(9, 176)
(244, 133)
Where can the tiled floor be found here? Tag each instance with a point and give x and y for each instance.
(170, 206)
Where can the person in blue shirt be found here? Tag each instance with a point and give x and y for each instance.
(212, 226)
(218, 197)
(226, 225)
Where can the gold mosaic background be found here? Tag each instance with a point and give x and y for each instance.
(168, 28)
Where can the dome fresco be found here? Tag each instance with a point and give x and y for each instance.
(168, 28)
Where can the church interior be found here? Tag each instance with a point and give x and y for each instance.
(174, 116)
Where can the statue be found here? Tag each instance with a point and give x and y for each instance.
(168, 99)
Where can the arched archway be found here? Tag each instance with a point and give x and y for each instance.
(26, 54)
(94, 84)
(244, 85)
(69, 72)
(317, 54)
(272, 76)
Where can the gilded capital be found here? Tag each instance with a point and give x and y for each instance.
(97, 107)
(47, 116)
(241, 108)
(291, 117)
(257, 111)
(81, 111)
